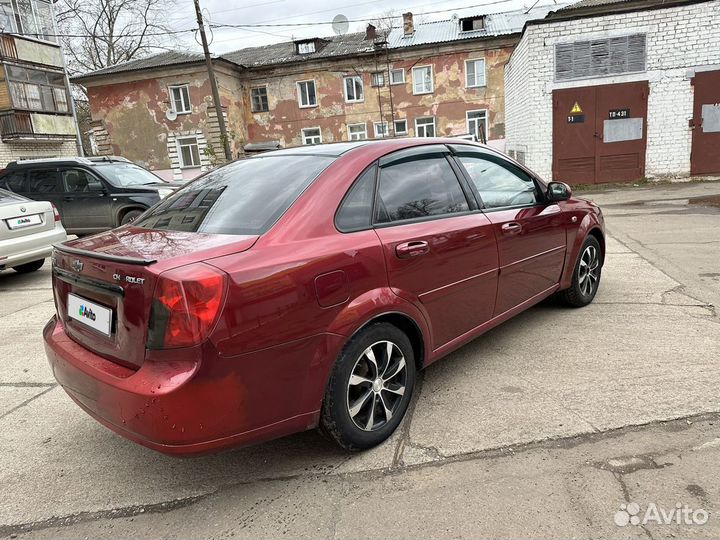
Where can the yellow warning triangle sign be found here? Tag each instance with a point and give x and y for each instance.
(576, 109)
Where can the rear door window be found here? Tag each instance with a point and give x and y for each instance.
(355, 213)
(244, 197)
(419, 187)
(42, 181)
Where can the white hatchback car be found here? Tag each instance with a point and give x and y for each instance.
(28, 230)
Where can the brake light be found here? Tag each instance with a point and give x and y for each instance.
(55, 212)
(186, 306)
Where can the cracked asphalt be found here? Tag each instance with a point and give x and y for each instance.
(543, 427)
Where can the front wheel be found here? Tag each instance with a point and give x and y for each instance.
(130, 216)
(370, 388)
(586, 277)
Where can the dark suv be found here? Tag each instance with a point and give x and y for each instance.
(91, 194)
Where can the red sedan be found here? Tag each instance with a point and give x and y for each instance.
(306, 287)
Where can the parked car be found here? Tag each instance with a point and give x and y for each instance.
(28, 230)
(306, 287)
(92, 195)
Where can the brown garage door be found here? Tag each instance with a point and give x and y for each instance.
(600, 133)
(705, 157)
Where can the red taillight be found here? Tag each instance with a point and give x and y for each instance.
(55, 212)
(186, 306)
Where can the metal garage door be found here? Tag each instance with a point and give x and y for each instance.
(705, 157)
(600, 133)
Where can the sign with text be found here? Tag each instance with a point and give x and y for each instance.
(614, 114)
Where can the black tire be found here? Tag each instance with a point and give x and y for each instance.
(337, 421)
(130, 216)
(583, 287)
(29, 267)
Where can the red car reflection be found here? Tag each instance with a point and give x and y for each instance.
(306, 287)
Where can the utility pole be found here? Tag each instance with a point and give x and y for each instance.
(213, 83)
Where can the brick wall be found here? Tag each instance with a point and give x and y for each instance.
(680, 40)
(44, 149)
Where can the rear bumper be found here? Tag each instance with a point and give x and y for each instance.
(172, 405)
(33, 247)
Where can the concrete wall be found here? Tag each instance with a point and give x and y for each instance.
(12, 151)
(679, 41)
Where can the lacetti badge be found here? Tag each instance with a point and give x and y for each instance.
(87, 313)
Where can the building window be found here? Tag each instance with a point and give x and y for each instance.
(354, 89)
(477, 124)
(61, 101)
(422, 80)
(180, 98)
(400, 127)
(30, 17)
(306, 94)
(471, 24)
(357, 132)
(259, 99)
(397, 76)
(312, 135)
(475, 73)
(305, 47)
(37, 90)
(600, 57)
(381, 129)
(189, 152)
(378, 78)
(425, 127)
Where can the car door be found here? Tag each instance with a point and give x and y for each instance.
(530, 232)
(44, 185)
(86, 204)
(439, 249)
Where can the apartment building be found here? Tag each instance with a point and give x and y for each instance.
(427, 79)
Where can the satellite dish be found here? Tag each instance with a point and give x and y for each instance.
(171, 115)
(340, 24)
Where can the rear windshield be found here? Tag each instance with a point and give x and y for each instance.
(128, 175)
(244, 197)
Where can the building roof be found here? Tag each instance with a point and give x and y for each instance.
(589, 3)
(447, 30)
(598, 8)
(162, 59)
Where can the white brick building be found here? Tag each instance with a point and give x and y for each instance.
(570, 117)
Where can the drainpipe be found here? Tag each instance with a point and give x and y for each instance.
(71, 100)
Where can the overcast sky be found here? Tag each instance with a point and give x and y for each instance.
(303, 11)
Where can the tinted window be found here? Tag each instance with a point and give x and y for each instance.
(419, 187)
(244, 197)
(42, 182)
(127, 175)
(79, 181)
(14, 181)
(355, 212)
(498, 185)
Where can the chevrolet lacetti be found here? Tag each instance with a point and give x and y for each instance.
(306, 287)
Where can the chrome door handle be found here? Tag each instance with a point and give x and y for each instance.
(511, 228)
(409, 250)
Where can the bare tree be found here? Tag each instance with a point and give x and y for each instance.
(102, 33)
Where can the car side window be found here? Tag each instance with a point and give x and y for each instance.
(79, 181)
(355, 212)
(42, 181)
(497, 185)
(14, 181)
(418, 187)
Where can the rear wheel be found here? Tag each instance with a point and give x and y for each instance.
(586, 277)
(130, 216)
(370, 388)
(29, 267)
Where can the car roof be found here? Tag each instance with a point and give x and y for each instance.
(69, 160)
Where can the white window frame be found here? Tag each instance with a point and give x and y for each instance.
(365, 133)
(384, 127)
(180, 146)
(392, 71)
(362, 88)
(395, 129)
(299, 93)
(309, 47)
(486, 122)
(484, 73)
(187, 107)
(432, 80)
(306, 137)
(417, 130)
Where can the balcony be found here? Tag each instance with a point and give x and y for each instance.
(30, 50)
(21, 126)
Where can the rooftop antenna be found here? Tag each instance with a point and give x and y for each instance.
(340, 24)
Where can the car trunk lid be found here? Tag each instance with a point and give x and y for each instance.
(24, 217)
(114, 274)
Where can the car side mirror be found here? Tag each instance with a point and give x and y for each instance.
(96, 186)
(558, 191)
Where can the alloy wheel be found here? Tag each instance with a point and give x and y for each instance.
(588, 270)
(376, 386)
